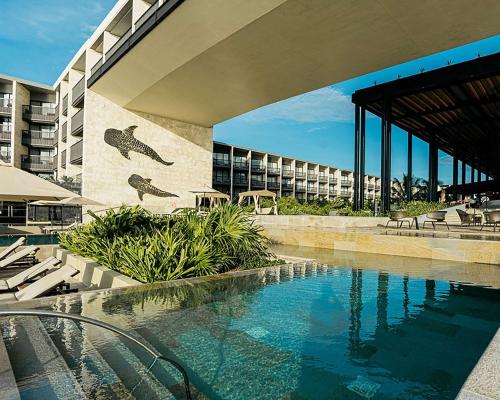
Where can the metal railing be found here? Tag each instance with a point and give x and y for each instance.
(323, 191)
(150, 11)
(346, 182)
(273, 171)
(63, 159)
(286, 186)
(5, 106)
(78, 92)
(240, 165)
(65, 105)
(240, 182)
(300, 189)
(77, 123)
(221, 163)
(323, 178)
(257, 183)
(287, 172)
(300, 174)
(258, 168)
(38, 138)
(96, 66)
(273, 185)
(119, 42)
(37, 163)
(345, 193)
(312, 177)
(370, 186)
(39, 113)
(5, 133)
(333, 181)
(146, 346)
(76, 153)
(221, 180)
(64, 132)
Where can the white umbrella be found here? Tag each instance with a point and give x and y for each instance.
(79, 201)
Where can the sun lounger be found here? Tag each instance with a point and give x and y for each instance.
(12, 247)
(28, 274)
(43, 285)
(18, 256)
(436, 217)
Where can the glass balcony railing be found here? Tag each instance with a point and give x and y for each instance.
(221, 180)
(76, 153)
(5, 133)
(258, 168)
(38, 138)
(346, 182)
(273, 185)
(78, 92)
(40, 113)
(219, 162)
(300, 189)
(77, 123)
(240, 165)
(257, 184)
(300, 174)
(323, 178)
(37, 163)
(287, 186)
(288, 172)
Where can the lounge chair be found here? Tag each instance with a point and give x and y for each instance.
(28, 274)
(54, 229)
(399, 217)
(12, 247)
(18, 256)
(465, 217)
(436, 217)
(264, 211)
(491, 218)
(43, 285)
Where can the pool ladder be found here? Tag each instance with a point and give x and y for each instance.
(146, 346)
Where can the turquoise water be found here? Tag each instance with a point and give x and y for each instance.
(289, 333)
(7, 240)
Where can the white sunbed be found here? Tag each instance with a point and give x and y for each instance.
(12, 247)
(42, 285)
(17, 256)
(30, 273)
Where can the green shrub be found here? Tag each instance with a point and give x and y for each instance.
(418, 207)
(148, 248)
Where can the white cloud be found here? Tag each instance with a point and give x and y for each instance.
(322, 105)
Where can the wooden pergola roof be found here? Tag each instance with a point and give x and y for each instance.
(457, 106)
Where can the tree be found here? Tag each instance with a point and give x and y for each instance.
(418, 188)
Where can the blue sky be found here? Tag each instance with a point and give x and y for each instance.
(38, 38)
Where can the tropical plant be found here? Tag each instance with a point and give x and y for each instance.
(150, 248)
(418, 207)
(418, 187)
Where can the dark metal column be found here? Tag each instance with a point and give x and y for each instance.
(464, 174)
(455, 174)
(386, 157)
(409, 169)
(433, 171)
(356, 158)
(362, 142)
(472, 173)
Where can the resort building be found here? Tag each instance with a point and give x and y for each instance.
(28, 117)
(238, 169)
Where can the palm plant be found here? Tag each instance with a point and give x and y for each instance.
(418, 187)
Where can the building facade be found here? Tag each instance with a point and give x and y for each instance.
(237, 169)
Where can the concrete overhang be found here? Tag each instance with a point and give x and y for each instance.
(213, 60)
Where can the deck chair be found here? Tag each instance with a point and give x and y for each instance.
(492, 218)
(28, 274)
(12, 247)
(17, 256)
(399, 217)
(465, 217)
(43, 285)
(436, 217)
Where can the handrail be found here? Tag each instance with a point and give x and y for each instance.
(56, 314)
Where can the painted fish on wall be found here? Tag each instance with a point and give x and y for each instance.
(125, 142)
(143, 186)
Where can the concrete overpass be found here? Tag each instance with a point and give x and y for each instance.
(204, 62)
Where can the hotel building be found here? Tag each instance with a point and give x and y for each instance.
(237, 169)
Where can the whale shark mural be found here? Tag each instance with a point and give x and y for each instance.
(144, 186)
(125, 142)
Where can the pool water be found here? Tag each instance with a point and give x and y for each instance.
(31, 239)
(294, 332)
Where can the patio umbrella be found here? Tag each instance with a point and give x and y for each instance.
(79, 201)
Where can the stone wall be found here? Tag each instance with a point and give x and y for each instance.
(319, 221)
(21, 97)
(107, 171)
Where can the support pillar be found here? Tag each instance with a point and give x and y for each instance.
(409, 168)
(455, 175)
(433, 171)
(356, 157)
(386, 157)
(464, 172)
(362, 142)
(472, 173)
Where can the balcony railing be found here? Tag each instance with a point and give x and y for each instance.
(346, 182)
(77, 123)
(221, 180)
(40, 113)
(55, 139)
(221, 163)
(5, 133)
(240, 182)
(287, 172)
(312, 177)
(370, 186)
(5, 156)
(377, 187)
(300, 189)
(38, 138)
(65, 105)
(96, 66)
(273, 185)
(273, 171)
(5, 106)
(117, 45)
(312, 189)
(63, 159)
(149, 12)
(78, 92)
(76, 153)
(64, 132)
(333, 181)
(300, 175)
(240, 165)
(345, 193)
(257, 183)
(287, 186)
(323, 178)
(258, 168)
(37, 163)
(323, 191)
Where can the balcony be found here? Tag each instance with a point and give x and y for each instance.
(37, 163)
(273, 185)
(259, 168)
(5, 156)
(311, 177)
(5, 133)
(55, 139)
(333, 181)
(287, 187)
(5, 106)
(96, 66)
(217, 162)
(312, 189)
(273, 171)
(78, 93)
(377, 187)
(57, 113)
(221, 180)
(63, 159)
(65, 105)
(118, 44)
(323, 191)
(240, 182)
(346, 182)
(300, 189)
(77, 123)
(257, 184)
(76, 153)
(240, 165)
(144, 17)
(370, 186)
(323, 178)
(300, 175)
(43, 114)
(38, 139)
(345, 193)
(287, 172)
(64, 132)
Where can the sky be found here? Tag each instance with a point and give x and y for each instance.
(38, 38)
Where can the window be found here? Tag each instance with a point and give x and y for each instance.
(6, 99)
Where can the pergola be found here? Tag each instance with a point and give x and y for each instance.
(455, 109)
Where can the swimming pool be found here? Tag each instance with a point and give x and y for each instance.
(292, 332)
(7, 240)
